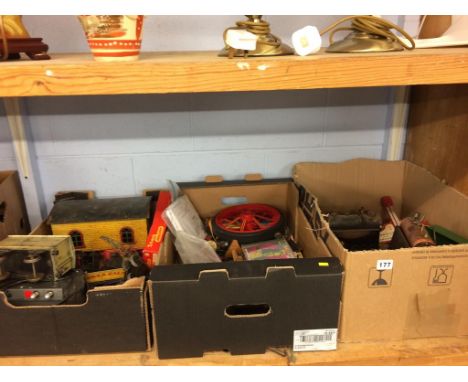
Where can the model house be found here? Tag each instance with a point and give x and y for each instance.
(124, 220)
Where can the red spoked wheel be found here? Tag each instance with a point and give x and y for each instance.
(248, 223)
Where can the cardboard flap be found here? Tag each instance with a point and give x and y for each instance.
(209, 199)
(253, 177)
(352, 184)
(441, 204)
(214, 179)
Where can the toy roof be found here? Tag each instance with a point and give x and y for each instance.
(93, 210)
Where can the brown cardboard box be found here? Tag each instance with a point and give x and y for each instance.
(191, 302)
(425, 294)
(13, 216)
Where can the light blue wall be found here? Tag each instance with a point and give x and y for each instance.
(120, 145)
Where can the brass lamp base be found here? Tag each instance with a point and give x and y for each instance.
(261, 51)
(359, 42)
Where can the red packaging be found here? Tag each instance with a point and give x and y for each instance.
(157, 231)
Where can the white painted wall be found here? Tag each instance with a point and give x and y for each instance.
(120, 145)
(7, 156)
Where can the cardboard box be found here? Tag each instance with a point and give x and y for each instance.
(13, 216)
(245, 307)
(425, 292)
(113, 319)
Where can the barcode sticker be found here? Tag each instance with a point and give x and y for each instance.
(383, 265)
(316, 339)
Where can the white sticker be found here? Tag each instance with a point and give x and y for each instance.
(383, 265)
(316, 339)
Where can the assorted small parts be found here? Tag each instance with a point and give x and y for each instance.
(112, 266)
(357, 230)
(361, 219)
(410, 231)
(124, 220)
(273, 249)
(414, 229)
(231, 229)
(365, 230)
(130, 258)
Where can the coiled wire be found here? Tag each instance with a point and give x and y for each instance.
(370, 25)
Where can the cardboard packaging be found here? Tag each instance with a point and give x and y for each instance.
(113, 319)
(13, 216)
(245, 307)
(421, 292)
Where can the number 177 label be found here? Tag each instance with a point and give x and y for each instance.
(383, 265)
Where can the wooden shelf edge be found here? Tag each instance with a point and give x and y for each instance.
(429, 351)
(188, 72)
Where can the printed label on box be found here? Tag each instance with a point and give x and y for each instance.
(316, 339)
(383, 265)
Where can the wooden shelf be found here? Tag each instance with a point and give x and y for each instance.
(435, 351)
(79, 74)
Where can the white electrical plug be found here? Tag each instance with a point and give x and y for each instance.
(306, 40)
(241, 39)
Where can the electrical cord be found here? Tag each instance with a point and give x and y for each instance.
(371, 25)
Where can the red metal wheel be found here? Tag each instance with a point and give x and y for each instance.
(248, 223)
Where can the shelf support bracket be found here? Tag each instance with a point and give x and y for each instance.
(397, 131)
(26, 168)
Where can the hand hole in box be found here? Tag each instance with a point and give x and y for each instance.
(247, 310)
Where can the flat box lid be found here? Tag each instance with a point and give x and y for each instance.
(32, 241)
(92, 210)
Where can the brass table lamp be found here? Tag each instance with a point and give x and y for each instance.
(368, 34)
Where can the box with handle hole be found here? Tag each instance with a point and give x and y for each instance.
(246, 307)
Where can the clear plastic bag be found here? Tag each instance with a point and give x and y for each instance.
(187, 227)
(182, 216)
(194, 250)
